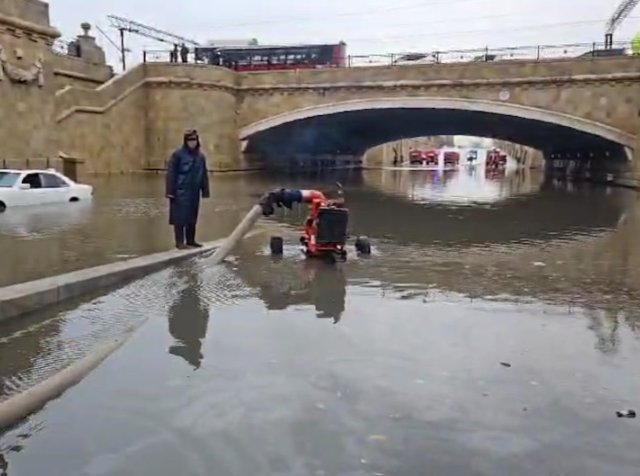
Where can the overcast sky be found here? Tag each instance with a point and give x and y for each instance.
(367, 26)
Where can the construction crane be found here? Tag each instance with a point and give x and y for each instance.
(616, 19)
(129, 26)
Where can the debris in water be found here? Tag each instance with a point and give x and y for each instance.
(505, 364)
(626, 414)
(538, 263)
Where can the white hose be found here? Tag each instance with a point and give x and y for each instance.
(19, 406)
(234, 238)
(22, 405)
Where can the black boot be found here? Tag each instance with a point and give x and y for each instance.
(179, 233)
(191, 237)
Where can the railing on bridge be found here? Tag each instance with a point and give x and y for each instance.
(522, 53)
(61, 47)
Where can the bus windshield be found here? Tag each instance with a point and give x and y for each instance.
(8, 179)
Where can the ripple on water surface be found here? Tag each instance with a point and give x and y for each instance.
(31, 353)
(476, 340)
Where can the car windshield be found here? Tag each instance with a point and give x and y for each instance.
(8, 179)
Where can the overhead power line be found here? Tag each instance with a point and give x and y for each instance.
(430, 34)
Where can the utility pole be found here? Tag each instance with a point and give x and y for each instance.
(125, 25)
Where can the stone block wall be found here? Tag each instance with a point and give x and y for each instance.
(31, 75)
(26, 82)
(498, 71)
(136, 120)
(70, 71)
(107, 140)
(201, 98)
(104, 127)
(32, 11)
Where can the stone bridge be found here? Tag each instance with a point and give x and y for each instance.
(580, 107)
(556, 106)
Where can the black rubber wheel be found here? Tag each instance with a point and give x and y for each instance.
(277, 245)
(329, 258)
(363, 246)
(74, 199)
(3, 207)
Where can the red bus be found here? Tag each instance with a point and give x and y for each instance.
(270, 58)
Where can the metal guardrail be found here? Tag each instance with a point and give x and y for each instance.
(523, 53)
(60, 46)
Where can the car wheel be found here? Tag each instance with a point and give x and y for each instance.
(74, 199)
(3, 207)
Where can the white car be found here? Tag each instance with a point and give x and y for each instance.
(38, 187)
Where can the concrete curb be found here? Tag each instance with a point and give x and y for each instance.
(24, 298)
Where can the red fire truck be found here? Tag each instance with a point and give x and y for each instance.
(451, 159)
(423, 157)
(274, 57)
(496, 160)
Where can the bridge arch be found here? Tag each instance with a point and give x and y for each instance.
(522, 124)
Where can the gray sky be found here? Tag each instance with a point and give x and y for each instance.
(367, 26)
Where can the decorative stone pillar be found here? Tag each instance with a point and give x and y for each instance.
(26, 91)
(86, 48)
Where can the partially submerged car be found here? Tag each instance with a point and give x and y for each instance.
(39, 187)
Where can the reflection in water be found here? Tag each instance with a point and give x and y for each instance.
(45, 220)
(468, 186)
(188, 318)
(605, 325)
(127, 217)
(314, 282)
(548, 282)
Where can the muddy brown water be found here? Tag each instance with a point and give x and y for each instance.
(393, 364)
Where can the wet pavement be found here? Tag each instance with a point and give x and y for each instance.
(494, 330)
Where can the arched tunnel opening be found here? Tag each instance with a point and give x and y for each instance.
(341, 139)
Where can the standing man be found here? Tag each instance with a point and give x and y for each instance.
(187, 181)
(184, 53)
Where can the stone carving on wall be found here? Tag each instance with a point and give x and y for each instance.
(34, 74)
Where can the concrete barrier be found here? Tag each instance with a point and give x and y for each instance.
(31, 296)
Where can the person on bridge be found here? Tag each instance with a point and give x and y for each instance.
(187, 181)
(184, 53)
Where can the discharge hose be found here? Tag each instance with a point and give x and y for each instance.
(20, 406)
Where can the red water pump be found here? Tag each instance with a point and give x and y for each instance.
(325, 230)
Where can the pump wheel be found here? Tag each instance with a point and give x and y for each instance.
(363, 246)
(276, 244)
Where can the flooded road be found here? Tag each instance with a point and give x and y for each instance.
(494, 330)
